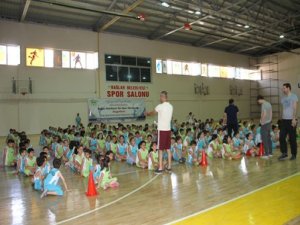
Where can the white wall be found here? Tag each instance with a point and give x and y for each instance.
(289, 71)
(60, 93)
(181, 88)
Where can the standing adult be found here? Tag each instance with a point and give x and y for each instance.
(266, 123)
(190, 118)
(165, 112)
(230, 117)
(78, 120)
(288, 123)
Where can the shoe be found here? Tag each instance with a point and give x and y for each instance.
(271, 155)
(282, 157)
(293, 157)
(168, 170)
(264, 157)
(158, 172)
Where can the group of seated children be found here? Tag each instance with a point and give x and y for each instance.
(76, 147)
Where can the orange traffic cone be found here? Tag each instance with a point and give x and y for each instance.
(91, 190)
(261, 151)
(203, 161)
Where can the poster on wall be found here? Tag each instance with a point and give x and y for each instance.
(158, 66)
(35, 57)
(2, 54)
(213, 71)
(164, 67)
(58, 58)
(204, 70)
(116, 110)
(65, 59)
(177, 67)
(78, 60)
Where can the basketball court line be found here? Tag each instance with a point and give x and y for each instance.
(124, 173)
(231, 200)
(110, 203)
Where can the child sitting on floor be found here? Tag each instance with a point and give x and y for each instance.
(38, 175)
(30, 163)
(51, 186)
(153, 157)
(106, 180)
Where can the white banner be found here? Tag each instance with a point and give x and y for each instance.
(116, 110)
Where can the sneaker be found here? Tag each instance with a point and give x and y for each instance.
(169, 170)
(293, 157)
(264, 157)
(158, 172)
(282, 157)
(44, 193)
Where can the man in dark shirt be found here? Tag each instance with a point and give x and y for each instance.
(230, 117)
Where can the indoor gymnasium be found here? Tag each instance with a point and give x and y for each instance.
(149, 112)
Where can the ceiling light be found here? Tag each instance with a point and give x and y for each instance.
(197, 12)
(246, 26)
(239, 25)
(281, 36)
(109, 57)
(190, 11)
(165, 4)
(201, 22)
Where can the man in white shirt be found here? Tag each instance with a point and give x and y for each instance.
(165, 113)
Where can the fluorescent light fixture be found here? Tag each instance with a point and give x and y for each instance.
(281, 36)
(197, 12)
(109, 57)
(201, 22)
(239, 25)
(190, 11)
(246, 26)
(165, 4)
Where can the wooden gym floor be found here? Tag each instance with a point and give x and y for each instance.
(246, 191)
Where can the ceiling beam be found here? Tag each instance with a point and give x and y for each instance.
(96, 27)
(246, 32)
(198, 20)
(125, 11)
(83, 7)
(25, 10)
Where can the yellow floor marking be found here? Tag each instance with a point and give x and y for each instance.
(275, 204)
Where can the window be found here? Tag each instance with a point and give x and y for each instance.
(213, 71)
(178, 67)
(127, 68)
(203, 69)
(111, 73)
(65, 59)
(9, 55)
(145, 75)
(146, 62)
(61, 59)
(128, 60)
(91, 61)
(124, 74)
(49, 58)
(112, 59)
